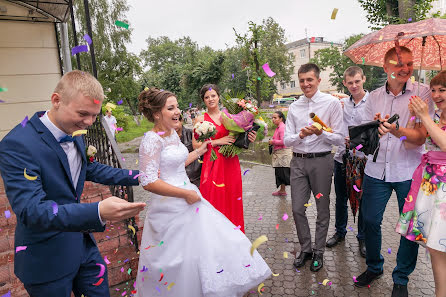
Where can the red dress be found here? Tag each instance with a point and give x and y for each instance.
(228, 198)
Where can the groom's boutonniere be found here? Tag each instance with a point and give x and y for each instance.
(91, 152)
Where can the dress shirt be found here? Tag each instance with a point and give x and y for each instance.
(73, 155)
(352, 117)
(111, 122)
(277, 140)
(328, 109)
(395, 163)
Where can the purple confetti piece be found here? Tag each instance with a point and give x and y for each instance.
(403, 138)
(23, 123)
(286, 239)
(136, 176)
(119, 102)
(55, 208)
(107, 236)
(412, 118)
(160, 133)
(122, 269)
(7, 214)
(244, 173)
(130, 172)
(389, 250)
(260, 217)
(285, 217)
(233, 76)
(358, 147)
(20, 248)
(79, 49)
(409, 20)
(7, 294)
(119, 129)
(239, 198)
(350, 228)
(158, 289)
(238, 227)
(248, 265)
(126, 260)
(272, 105)
(297, 270)
(210, 89)
(220, 271)
(197, 209)
(1, 101)
(190, 105)
(87, 38)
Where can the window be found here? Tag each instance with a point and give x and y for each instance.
(302, 53)
(293, 84)
(283, 85)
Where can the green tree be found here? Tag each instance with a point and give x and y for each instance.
(384, 12)
(262, 44)
(332, 58)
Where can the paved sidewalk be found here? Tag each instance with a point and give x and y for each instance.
(341, 263)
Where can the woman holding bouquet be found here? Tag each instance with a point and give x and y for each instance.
(221, 179)
(423, 217)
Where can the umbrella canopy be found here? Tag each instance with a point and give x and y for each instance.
(371, 48)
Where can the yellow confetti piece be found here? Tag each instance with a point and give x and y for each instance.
(393, 62)
(260, 287)
(218, 185)
(29, 177)
(307, 204)
(326, 281)
(317, 125)
(274, 274)
(110, 105)
(261, 239)
(199, 161)
(381, 37)
(334, 13)
(146, 89)
(170, 286)
(79, 132)
(285, 255)
(412, 79)
(132, 228)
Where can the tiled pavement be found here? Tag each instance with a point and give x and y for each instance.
(341, 263)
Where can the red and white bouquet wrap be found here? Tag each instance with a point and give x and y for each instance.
(204, 131)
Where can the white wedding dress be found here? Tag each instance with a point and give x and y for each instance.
(189, 250)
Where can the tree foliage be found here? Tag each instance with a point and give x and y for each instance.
(333, 58)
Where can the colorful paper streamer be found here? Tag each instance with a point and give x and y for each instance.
(261, 239)
(267, 70)
(79, 49)
(122, 24)
(102, 271)
(87, 38)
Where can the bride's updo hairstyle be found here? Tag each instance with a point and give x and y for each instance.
(152, 101)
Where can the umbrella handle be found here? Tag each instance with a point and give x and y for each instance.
(423, 44)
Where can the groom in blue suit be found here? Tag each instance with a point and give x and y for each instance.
(44, 170)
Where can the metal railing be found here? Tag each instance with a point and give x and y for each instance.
(100, 136)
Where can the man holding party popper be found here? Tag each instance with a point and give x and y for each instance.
(313, 125)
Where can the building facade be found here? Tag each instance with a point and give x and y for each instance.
(303, 50)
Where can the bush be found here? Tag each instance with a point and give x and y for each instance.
(122, 118)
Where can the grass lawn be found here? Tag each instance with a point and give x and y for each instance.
(134, 130)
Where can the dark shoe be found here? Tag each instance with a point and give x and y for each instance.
(362, 249)
(399, 291)
(317, 262)
(334, 240)
(367, 278)
(303, 257)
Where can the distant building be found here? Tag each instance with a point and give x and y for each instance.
(439, 5)
(303, 50)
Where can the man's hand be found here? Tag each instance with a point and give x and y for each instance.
(117, 209)
(192, 197)
(252, 136)
(309, 130)
(385, 127)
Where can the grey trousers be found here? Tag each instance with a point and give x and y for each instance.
(311, 175)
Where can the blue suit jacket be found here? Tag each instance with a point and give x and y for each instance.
(54, 242)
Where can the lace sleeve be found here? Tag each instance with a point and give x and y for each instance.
(149, 158)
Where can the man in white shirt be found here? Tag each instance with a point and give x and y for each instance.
(393, 168)
(111, 122)
(312, 164)
(353, 108)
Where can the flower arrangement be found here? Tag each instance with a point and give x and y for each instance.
(91, 152)
(204, 131)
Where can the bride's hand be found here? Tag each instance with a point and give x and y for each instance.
(203, 147)
(192, 197)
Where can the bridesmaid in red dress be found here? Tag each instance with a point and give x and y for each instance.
(223, 171)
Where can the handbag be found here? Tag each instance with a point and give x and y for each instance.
(242, 140)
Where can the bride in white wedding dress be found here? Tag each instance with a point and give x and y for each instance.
(188, 248)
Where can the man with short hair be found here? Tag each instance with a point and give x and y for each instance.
(111, 122)
(394, 166)
(353, 108)
(44, 169)
(312, 163)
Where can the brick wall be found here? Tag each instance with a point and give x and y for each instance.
(114, 243)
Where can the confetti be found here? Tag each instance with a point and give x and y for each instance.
(218, 185)
(326, 282)
(363, 61)
(96, 101)
(199, 161)
(170, 286)
(356, 188)
(160, 133)
(233, 76)
(1, 101)
(267, 70)
(389, 250)
(412, 118)
(403, 138)
(220, 271)
(259, 78)
(197, 209)
(106, 260)
(102, 271)
(20, 248)
(276, 274)
(392, 75)
(272, 105)
(190, 105)
(238, 227)
(122, 24)
(87, 38)
(3, 89)
(354, 279)
(412, 79)
(23, 123)
(130, 172)
(79, 132)
(410, 199)
(248, 265)
(285, 255)
(358, 147)
(55, 208)
(393, 62)
(79, 49)
(239, 198)
(334, 13)
(7, 294)
(307, 204)
(129, 271)
(29, 177)
(260, 218)
(260, 287)
(261, 239)
(99, 282)
(277, 227)
(245, 171)
(319, 195)
(138, 175)
(119, 102)
(285, 217)
(316, 263)
(132, 228)
(381, 37)
(409, 20)
(7, 214)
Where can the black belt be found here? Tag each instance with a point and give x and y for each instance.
(311, 155)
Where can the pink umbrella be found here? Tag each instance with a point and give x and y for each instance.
(426, 39)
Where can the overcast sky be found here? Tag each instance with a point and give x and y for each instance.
(210, 22)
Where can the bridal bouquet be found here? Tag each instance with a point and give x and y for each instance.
(204, 131)
(240, 116)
